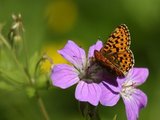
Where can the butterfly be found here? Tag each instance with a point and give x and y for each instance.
(116, 55)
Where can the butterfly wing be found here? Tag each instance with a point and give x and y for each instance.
(116, 54)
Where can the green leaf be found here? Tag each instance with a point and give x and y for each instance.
(5, 86)
(33, 62)
(13, 76)
(115, 117)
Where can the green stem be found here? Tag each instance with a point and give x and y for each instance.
(11, 80)
(5, 42)
(42, 107)
(28, 76)
(39, 99)
(12, 53)
(32, 82)
(89, 111)
(25, 50)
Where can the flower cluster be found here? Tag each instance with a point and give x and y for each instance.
(95, 84)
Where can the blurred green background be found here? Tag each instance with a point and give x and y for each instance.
(50, 23)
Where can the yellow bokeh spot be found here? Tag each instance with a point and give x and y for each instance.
(51, 51)
(61, 15)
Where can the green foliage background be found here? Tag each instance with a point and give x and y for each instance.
(85, 22)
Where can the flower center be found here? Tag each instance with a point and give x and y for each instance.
(128, 89)
(92, 73)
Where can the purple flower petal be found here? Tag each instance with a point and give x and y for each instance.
(134, 104)
(64, 76)
(96, 46)
(88, 92)
(138, 75)
(108, 96)
(74, 54)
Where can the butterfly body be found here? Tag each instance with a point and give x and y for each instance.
(116, 55)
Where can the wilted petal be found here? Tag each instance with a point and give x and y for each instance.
(64, 76)
(74, 54)
(134, 104)
(108, 96)
(88, 92)
(138, 75)
(96, 46)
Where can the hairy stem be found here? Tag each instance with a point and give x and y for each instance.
(42, 107)
(25, 70)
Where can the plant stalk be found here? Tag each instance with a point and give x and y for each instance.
(42, 107)
(27, 75)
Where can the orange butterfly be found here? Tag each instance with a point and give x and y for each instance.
(116, 55)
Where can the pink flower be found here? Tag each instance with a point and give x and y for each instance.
(134, 99)
(95, 84)
(81, 72)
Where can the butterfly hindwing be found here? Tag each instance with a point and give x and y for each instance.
(116, 54)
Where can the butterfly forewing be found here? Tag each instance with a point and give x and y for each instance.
(116, 54)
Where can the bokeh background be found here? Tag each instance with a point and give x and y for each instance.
(50, 23)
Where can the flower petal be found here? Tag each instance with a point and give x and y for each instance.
(74, 54)
(96, 46)
(108, 96)
(88, 92)
(64, 76)
(138, 75)
(134, 104)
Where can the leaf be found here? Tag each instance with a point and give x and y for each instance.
(33, 62)
(13, 76)
(5, 86)
(115, 117)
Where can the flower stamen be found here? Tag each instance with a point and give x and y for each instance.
(128, 89)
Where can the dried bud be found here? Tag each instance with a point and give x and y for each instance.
(16, 31)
